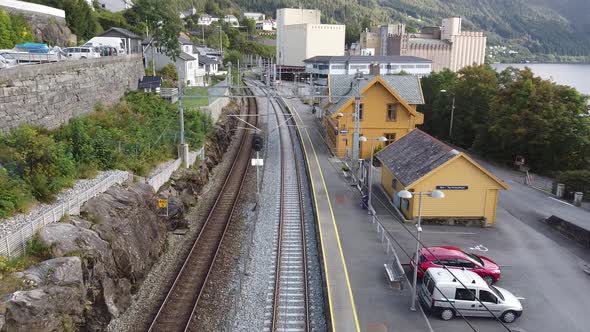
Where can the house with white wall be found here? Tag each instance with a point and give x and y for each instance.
(266, 25)
(254, 16)
(206, 19)
(187, 63)
(232, 20)
(114, 5)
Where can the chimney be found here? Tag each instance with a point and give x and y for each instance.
(374, 69)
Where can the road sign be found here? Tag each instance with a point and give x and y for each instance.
(257, 162)
(162, 203)
(452, 187)
(345, 131)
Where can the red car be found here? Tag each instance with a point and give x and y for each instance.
(456, 258)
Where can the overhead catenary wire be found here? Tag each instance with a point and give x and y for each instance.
(444, 266)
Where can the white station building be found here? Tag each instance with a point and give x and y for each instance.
(351, 64)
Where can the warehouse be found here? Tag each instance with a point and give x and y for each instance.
(418, 162)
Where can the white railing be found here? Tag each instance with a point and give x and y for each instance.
(163, 176)
(14, 244)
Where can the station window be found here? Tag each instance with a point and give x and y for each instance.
(361, 111)
(391, 112)
(390, 137)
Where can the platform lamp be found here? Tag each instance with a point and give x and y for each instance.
(364, 139)
(408, 195)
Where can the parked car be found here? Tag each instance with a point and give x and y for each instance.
(445, 293)
(456, 258)
(7, 61)
(81, 52)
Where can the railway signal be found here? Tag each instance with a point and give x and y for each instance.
(257, 142)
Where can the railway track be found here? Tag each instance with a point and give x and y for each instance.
(178, 307)
(287, 301)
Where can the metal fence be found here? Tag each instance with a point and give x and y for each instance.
(15, 243)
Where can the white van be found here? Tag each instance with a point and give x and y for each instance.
(81, 53)
(443, 293)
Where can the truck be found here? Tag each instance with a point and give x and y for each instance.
(117, 43)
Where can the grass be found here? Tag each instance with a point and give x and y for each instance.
(36, 252)
(195, 102)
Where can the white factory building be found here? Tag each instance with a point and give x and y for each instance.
(300, 36)
(351, 64)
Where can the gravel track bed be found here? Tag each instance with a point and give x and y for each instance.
(254, 280)
(12, 224)
(155, 286)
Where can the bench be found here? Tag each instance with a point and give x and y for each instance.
(395, 275)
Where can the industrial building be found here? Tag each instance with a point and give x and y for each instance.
(419, 162)
(448, 46)
(322, 66)
(300, 36)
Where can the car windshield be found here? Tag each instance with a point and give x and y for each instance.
(497, 292)
(7, 56)
(474, 257)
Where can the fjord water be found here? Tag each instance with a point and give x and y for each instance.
(575, 75)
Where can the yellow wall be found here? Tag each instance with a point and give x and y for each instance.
(479, 201)
(374, 123)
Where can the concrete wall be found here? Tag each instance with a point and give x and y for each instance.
(468, 48)
(292, 16)
(49, 95)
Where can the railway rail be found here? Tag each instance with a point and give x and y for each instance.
(177, 309)
(288, 296)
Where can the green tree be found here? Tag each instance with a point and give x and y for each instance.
(163, 23)
(540, 120)
(5, 30)
(214, 39)
(249, 25)
(437, 107)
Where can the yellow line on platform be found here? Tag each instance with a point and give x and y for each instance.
(356, 321)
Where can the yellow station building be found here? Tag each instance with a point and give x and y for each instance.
(420, 163)
(387, 108)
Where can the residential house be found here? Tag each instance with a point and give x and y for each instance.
(114, 5)
(254, 16)
(231, 20)
(188, 13)
(187, 63)
(265, 25)
(419, 162)
(387, 108)
(131, 41)
(210, 65)
(206, 19)
(209, 52)
(351, 64)
(150, 84)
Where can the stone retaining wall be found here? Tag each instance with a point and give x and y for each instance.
(48, 95)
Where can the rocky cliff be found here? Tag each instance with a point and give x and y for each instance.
(100, 258)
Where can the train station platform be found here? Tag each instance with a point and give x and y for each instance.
(360, 298)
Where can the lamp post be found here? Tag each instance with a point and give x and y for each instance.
(408, 195)
(364, 139)
(452, 115)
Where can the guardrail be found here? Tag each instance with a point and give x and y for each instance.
(15, 243)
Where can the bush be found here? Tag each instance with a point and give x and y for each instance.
(576, 181)
(135, 134)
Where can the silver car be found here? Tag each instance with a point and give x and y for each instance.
(7, 61)
(443, 292)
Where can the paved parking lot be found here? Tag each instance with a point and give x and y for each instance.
(556, 291)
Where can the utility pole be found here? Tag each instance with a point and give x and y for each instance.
(355, 133)
(239, 77)
(220, 41)
(451, 125)
(183, 148)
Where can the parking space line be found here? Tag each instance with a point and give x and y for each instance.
(560, 201)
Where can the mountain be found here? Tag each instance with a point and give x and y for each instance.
(557, 27)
